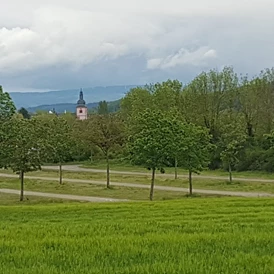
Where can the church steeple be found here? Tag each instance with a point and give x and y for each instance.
(81, 109)
(81, 101)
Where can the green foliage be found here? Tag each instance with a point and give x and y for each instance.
(208, 95)
(195, 149)
(58, 139)
(190, 236)
(24, 113)
(149, 144)
(24, 145)
(103, 108)
(7, 108)
(104, 131)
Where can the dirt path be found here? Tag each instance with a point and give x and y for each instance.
(164, 188)
(76, 168)
(62, 196)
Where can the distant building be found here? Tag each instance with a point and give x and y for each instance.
(81, 109)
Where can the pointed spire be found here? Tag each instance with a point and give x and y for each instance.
(81, 96)
(81, 101)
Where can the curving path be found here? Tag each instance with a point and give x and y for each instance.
(76, 168)
(62, 196)
(164, 188)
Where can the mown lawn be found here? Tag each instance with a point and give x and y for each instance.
(188, 236)
(124, 166)
(12, 199)
(129, 193)
(198, 183)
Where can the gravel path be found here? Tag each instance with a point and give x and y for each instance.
(164, 188)
(61, 196)
(76, 168)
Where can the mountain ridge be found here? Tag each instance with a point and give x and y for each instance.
(92, 95)
(70, 107)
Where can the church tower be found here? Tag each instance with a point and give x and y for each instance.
(81, 109)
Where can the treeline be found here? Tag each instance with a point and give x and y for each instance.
(218, 120)
(237, 111)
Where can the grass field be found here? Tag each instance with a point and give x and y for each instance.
(89, 190)
(189, 236)
(124, 166)
(12, 199)
(198, 183)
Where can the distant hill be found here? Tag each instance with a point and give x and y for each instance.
(66, 99)
(68, 107)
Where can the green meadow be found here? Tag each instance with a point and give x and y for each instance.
(198, 235)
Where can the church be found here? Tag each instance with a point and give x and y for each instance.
(81, 108)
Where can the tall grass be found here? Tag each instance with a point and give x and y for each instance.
(191, 236)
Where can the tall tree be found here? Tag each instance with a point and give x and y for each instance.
(58, 141)
(149, 144)
(206, 97)
(7, 107)
(195, 150)
(106, 132)
(166, 95)
(232, 141)
(136, 101)
(23, 148)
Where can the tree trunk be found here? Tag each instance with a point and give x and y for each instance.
(108, 175)
(230, 173)
(152, 184)
(91, 159)
(176, 168)
(22, 185)
(60, 174)
(190, 182)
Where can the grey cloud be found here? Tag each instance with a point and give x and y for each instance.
(83, 43)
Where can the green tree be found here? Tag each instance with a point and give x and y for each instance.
(195, 150)
(7, 107)
(24, 113)
(103, 108)
(136, 100)
(232, 142)
(24, 148)
(105, 132)
(208, 95)
(149, 144)
(58, 141)
(166, 95)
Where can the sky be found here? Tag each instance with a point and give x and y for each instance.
(65, 44)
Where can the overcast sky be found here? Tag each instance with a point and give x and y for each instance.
(62, 44)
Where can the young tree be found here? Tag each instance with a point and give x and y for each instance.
(232, 142)
(58, 141)
(23, 148)
(150, 142)
(106, 132)
(194, 150)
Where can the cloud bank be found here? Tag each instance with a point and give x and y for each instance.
(130, 40)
